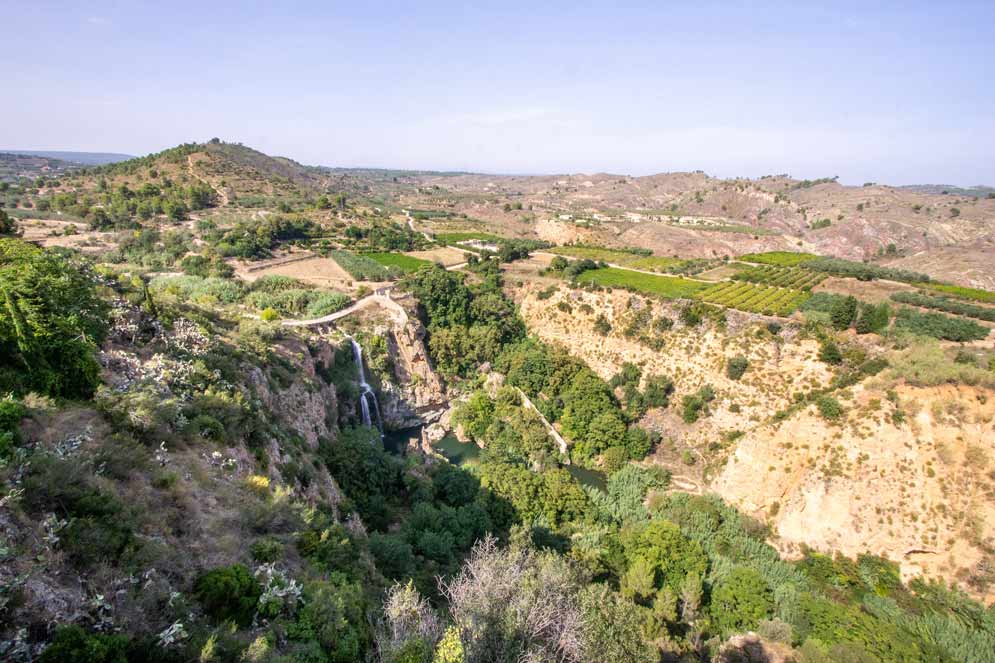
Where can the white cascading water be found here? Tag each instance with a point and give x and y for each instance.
(366, 393)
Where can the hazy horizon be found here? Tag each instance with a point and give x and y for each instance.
(898, 94)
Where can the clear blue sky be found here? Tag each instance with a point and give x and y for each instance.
(897, 93)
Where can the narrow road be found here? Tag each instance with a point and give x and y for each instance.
(560, 442)
(411, 224)
(380, 296)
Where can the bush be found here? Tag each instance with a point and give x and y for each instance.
(269, 315)
(72, 643)
(736, 366)
(266, 550)
(829, 408)
(601, 325)
(843, 313)
(51, 322)
(695, 405)
(873, 319)
(11, 413)
(614, 459)
(830, 353)
(229, 593)
(939, 326)
(740, 601)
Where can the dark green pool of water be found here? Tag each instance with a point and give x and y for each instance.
(396, 441)
(458, 453)
(586, 477)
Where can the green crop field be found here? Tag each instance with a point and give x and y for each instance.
(656, 263)
(636, 258)
(976, 294)
(363, 267)
(669, 287)
(454, 237)
(406, 264)
(754, 298)
(779, 258)
(783, 277)
(597, 253)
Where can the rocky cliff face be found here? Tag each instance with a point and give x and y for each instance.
(410, 391)
(907, 473)
(308, 405)
(916, 489)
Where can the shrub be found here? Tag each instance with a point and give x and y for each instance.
(229, 593)
(266, 550)
(830, 353)
(829, 408)
(736, 366)
(873, 319)
(844, 312)
(269, 315)
(740, 601)
(614, 459)
(51, 322)
(601, 325)
(939, 326)
(695, 405)
(72, 643)
(11, 413)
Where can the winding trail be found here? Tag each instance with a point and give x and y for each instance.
(222, 196)
(560, 442)
(380, 297)
(411, 224)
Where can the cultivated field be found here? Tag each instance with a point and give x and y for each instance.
(669, 287)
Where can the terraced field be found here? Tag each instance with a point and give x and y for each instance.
(406, 264)
(778, 258)
(454, 237)
(632, 259)
(974, 294)
(668, 287)
(754, 298)
(783, 277)
(599, 253)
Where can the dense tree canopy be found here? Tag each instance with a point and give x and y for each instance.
(51, 322)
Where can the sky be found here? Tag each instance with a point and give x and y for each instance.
(896, 93)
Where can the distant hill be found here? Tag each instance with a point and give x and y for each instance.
(13, 167)
(82, 158)
(949, 189)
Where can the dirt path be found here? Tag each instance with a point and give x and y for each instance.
(411, 224)
(560, 442)
(222, 196)
(380, 297)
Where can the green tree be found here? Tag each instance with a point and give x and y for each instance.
(8, 225)
(873, 319)
(740, 600)
(736, 366)
(844, 312)
(830, 353)
(72, 643)
(51, 322)
(229, 592)
(672, 556)
(613, 628)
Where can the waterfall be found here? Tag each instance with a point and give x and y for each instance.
(366, 393)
